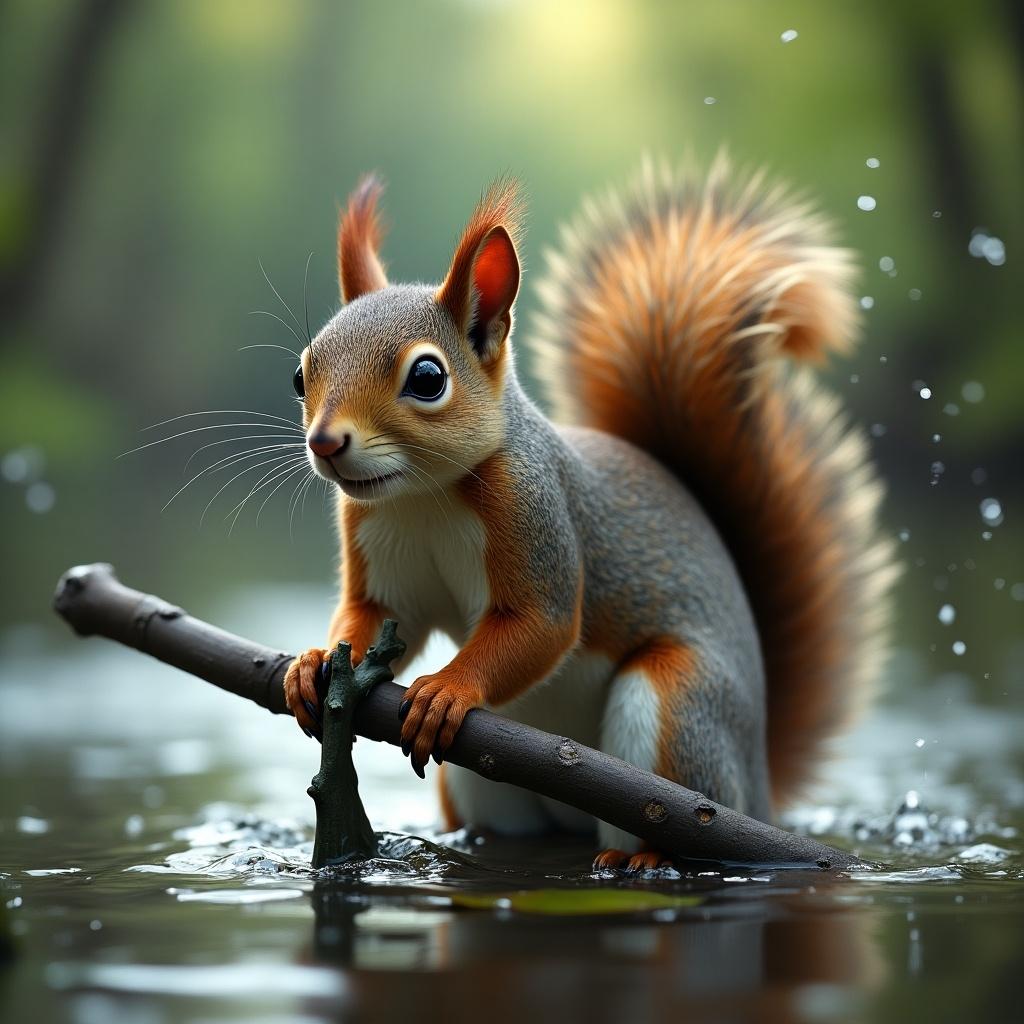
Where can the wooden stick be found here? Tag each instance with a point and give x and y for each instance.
(672, 819)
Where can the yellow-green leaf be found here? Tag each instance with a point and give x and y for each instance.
(574, 901)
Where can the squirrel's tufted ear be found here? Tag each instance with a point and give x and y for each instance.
(359, 236)
(483, 280)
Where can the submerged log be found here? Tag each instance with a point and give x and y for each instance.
(670, 818)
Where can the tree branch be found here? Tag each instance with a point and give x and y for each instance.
(670, 818)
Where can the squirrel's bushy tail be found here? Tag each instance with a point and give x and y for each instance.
(666, 315)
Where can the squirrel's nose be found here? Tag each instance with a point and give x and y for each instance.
(324, 445)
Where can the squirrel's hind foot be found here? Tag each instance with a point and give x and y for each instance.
(630, 863)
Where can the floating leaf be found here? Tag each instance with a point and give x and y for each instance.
(573, 902)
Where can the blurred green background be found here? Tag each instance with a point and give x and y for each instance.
(154, 153)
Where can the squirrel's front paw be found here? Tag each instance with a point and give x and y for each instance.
(432, 712)
(300, 689)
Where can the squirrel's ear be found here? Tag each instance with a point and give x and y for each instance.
(359, 235)
(483, 281)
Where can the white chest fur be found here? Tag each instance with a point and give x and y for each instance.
(425, 563)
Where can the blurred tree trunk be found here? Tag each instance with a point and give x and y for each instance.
(55, 151)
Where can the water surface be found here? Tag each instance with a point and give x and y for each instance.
(155, 852)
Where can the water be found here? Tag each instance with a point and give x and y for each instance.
(155, 865)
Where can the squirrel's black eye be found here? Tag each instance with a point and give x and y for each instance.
(298, 383)
(427, 380)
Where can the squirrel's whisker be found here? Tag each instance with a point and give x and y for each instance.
(276, 461)
(229, 460)
(283, 348)
(185, 433)
(267, 312)
(224, 412)
(440, 455)
(293, 503)
(288, 443)
(305, 307)
(287, 477)
(266, 278)
(272, 474)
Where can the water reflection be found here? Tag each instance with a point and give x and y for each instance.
(155, 867)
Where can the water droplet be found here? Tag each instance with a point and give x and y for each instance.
(973, 392)
(95, 924)
(866, 302)
(947, 614)
(951, 409)
(709, 101)
(959, 648)
(854, 378)
(904, 535)
(978, 476)
(999, 583)
(919, 743)
(883, 359)
(986, 534)
(914, 294)
(936, 214)
(877, 429)
(31, 826)
(40, 497)
(789, 35)
(21, 465)
(866, 203)
(1017, 591)
(987, 247)
(872, 162)
(925, 392)
(991, 511)
(886, 264)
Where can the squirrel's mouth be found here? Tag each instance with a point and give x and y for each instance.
(368, 487)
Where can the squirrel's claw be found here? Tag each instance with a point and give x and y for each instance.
(300, 689)
(431, 714)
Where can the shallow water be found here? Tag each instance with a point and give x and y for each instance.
(155, 866)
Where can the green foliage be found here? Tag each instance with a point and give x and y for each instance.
(220, 134)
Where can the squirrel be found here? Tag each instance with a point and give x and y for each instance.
(683, 568)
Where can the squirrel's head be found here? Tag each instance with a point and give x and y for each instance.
(401, 390)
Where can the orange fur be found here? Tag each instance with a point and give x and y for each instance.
(500, 208)
(664, 323)
(450, 817)
(359, 236)
(515, 644)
